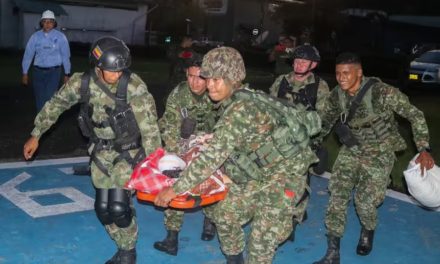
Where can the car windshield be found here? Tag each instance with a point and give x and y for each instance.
(430, 57)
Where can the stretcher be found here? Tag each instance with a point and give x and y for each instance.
(186, 201)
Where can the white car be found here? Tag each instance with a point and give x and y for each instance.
(426, 68)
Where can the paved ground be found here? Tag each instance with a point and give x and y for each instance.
(47, 217)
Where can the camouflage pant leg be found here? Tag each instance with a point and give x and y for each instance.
(173, 219)
(372, 186)
(342, 181)
(208, 211)
(271, 225)
(230, 215)
(301, 206)
(300, 209)
(125, 238)
(100, 179)
(119, 173)
(299, 180)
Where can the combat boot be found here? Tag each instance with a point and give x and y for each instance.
(332, 254)
(208, 232)
(365, 244)
(294, 225)
(169, 244)
(235, 259)
(123, 257)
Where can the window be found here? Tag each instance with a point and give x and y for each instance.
(214, 6)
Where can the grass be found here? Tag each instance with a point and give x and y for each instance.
(155, 70)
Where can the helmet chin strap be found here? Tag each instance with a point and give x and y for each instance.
(101, 75)
(302, 74)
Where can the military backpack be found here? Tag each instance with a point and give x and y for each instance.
(294, 127)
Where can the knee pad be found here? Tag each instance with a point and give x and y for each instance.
(119, 207)
(101, 207)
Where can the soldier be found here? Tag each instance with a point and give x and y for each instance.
(302, 86)
(188, 111)
(179, 55)
(281, 54)
(118, 114)
(363, 109)
(266, 172)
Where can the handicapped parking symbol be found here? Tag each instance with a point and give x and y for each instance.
(23, 200)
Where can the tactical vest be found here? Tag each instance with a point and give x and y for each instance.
(306, 96)
(293, 129)
(377, 127)
(121, 120)
(203, 121)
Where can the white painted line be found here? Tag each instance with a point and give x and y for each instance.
(36, 163)
(24, 200)
(391, 193)
(67, 170)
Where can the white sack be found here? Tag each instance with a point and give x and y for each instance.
(425, 189)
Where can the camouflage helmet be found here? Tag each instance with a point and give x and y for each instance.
(223, 62)
(110, 54)
(307, 52)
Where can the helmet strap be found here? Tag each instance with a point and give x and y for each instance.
(101, 75)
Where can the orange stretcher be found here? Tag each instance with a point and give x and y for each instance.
(186, 201)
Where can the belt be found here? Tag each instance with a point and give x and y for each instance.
(47, 68)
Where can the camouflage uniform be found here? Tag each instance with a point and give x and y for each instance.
(296, 86)
(367, 167)
(244, 127)
(323, 89)
(144, 109)
(197, 107)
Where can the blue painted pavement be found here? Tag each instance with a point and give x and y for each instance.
(46, 216)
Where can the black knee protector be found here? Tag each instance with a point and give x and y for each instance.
(119, 207)
(101, 206)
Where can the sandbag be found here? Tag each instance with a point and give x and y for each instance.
(425, 189)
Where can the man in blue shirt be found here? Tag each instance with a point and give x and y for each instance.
(50, 49)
